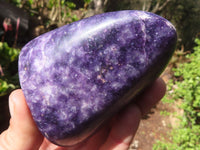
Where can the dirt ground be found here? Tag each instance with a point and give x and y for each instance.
(155, 125)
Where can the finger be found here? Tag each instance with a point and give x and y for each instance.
(96, 140)
(92, 143)
(47, 145)
(152, 95)
(22, 133)
(123, 129)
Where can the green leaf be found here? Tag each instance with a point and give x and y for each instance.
(87, 1)
(71, 4)
(187, 135)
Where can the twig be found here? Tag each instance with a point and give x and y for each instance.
(52, 12)
(17, 30)
(55, 15)
(147, 5)
(1, 71)
(158, 7)
(59, 12)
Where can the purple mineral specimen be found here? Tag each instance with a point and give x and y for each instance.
(77, 76)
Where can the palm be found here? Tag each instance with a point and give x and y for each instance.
(116, 134)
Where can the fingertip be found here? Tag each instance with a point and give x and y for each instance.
(17, 99)
(160, 87)
(22, 133)
(19, 109)
(151, 96)
(124, 128)
(16, 92)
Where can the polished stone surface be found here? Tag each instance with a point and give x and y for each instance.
(79, 75)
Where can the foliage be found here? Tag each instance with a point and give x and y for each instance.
(51, 12)
(8, 64)
(185, 16)
(60, 10)
(5, 87)
(187, 135)
(87, 1)
(7, 54)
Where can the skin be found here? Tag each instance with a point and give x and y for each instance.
(117, 134)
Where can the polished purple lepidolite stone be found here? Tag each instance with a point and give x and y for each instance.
(77, 76)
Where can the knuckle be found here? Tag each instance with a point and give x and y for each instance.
(5, 141)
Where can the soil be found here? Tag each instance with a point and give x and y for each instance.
(156, 126)
(153, 127)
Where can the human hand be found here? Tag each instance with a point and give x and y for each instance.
(117, 134)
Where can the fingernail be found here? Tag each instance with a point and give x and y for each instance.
(13, 102)
(11, 107)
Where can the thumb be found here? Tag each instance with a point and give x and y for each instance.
(22, 133)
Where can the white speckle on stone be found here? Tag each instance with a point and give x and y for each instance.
(121, 40)
(144, 16)
(142, 59)
(80, 52)
(46, 134)
(97, 68)
(73, 53)
(63, 115)
(170, 25)
(73, 108)
(114, 47)
(23, 76)
(84, 105)
(116, 85)
(47, 91)
(75, 75)
(39, 64)
(71, 59)
(128, 33)
(70, 125)
(94, 88)
(132, 72)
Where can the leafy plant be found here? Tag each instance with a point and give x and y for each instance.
(187, 135)
(5, 87)
(8, 66)
(87, 1)
(54, 12)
